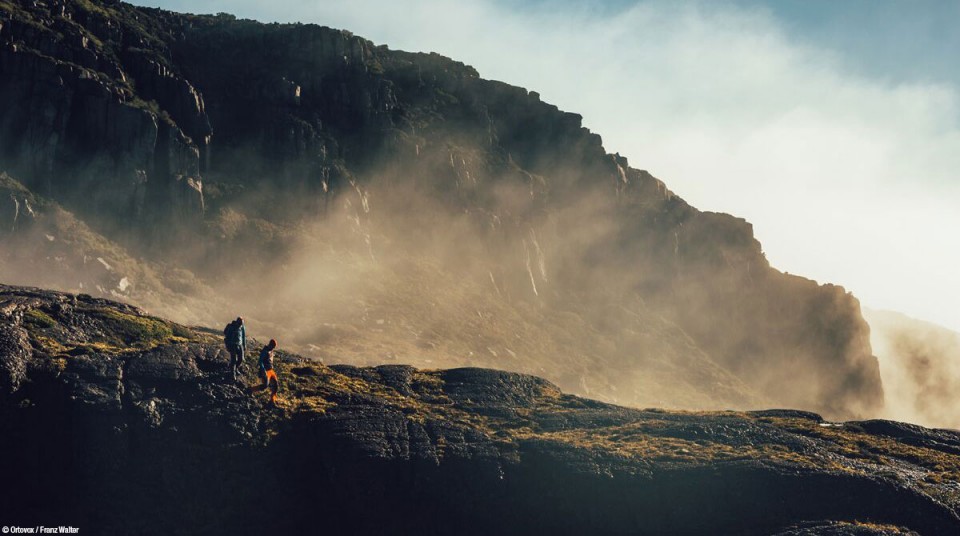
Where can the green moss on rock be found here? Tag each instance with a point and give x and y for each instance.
(133, 330)
(39, 319)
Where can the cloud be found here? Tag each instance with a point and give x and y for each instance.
(847, 179)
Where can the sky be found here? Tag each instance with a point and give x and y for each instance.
(833, 127)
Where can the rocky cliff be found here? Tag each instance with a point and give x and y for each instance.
(118, 422)
(220, 150)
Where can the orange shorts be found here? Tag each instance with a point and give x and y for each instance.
(276, 384)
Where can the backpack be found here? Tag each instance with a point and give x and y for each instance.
(230, 333)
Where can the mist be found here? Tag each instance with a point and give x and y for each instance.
(920, 365)
(446, 255)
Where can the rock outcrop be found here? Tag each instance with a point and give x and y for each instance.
(158, 127)
(121, 423)
(80, 130)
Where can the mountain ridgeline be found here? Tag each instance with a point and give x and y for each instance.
(367, 205)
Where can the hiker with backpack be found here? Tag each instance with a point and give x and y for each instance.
(235, 337)
(267, 373)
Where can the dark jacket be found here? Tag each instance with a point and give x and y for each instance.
(266, 358)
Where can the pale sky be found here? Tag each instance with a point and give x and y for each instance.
(833, 127)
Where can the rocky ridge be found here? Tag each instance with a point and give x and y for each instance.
(120, 422)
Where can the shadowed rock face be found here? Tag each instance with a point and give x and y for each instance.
(160, 129)
(119, 423)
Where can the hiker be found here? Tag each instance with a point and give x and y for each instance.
(235, 337)
(266, 370)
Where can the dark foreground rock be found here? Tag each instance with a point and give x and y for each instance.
(120, 423)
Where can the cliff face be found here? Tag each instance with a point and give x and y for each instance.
(79, 129)
(118, 422)
(154, 127)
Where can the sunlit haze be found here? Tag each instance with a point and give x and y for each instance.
(836, 135)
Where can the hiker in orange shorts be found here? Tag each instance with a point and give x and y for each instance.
(266, 370)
